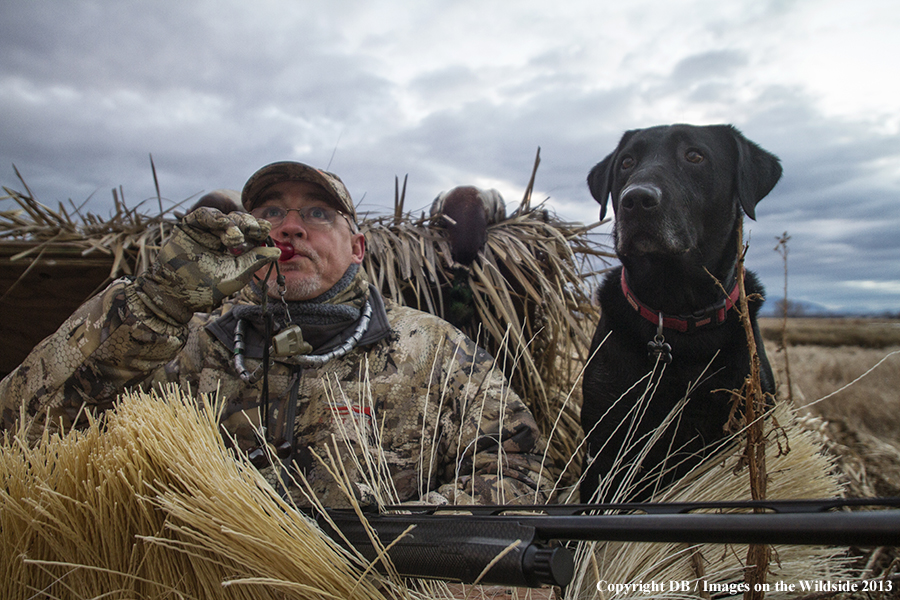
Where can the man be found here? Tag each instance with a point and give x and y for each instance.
(414, 400)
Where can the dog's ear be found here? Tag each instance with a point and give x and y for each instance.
(757, 172)
(599, 182)
(600, 178)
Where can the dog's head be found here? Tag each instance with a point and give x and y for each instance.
(670, 184)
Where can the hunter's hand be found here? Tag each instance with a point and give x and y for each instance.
(210, 256)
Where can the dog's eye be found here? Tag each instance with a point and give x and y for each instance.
(626, 163)
(693, 156)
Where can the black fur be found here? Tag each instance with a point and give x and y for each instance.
(686, 189)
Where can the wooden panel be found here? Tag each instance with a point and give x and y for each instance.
(34, 306)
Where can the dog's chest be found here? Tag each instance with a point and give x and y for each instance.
(624, 343)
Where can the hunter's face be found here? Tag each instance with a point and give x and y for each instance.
(321, 237)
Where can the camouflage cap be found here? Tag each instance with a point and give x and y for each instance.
(294, 171)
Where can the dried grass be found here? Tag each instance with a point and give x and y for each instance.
(834, 332)
(153, 505)
(803, 472)
(129, 236)
(852, 391)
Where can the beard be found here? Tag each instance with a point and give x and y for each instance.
(296, 288)
(306, 288)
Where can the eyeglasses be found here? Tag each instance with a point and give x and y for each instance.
(316, 217)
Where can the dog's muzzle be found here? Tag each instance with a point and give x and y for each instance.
(644, 225)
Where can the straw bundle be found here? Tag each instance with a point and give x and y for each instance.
(152, 505)
(797, 468)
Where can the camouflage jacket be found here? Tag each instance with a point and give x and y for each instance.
(416, 401)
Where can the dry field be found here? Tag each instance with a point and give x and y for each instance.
(846, 372)
(834, 372)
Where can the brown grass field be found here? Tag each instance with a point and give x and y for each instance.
(846, 372)
(831, 365)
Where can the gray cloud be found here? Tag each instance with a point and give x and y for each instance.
(214, 90)
(717, 64)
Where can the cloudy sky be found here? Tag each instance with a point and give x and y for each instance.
(464, 92)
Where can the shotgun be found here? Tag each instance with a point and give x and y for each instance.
(527, 544)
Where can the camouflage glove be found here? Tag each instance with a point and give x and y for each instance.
(210, 256)
(431, 498)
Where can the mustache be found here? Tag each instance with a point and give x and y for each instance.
(305, 252)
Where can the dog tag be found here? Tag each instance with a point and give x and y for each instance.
(290, 342)
(659, 349)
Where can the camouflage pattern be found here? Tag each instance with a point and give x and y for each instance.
(277, 172)
(421, 405)
(203, 263)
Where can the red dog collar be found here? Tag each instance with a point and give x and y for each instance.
(713, 315)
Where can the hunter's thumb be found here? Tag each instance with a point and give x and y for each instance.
(245, 266)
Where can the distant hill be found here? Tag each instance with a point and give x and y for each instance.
(797, 308)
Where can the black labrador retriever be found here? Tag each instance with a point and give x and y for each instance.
(678, 192)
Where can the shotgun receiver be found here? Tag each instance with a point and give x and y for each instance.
(526, 544)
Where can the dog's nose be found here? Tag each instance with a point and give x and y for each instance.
(642, 196)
